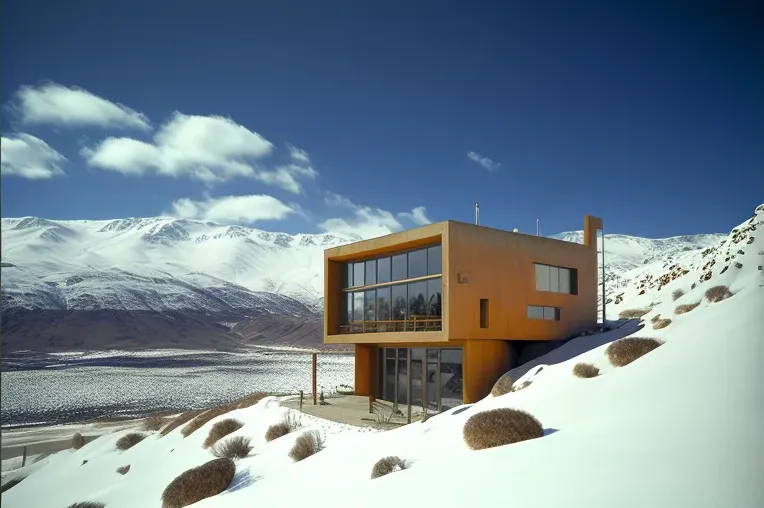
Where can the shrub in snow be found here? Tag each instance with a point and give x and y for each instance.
(525, 384)
(655, 318)
(78, 441)
(201, 482)
(203, 418)
(179, 420)
(585, 370)
(87, 504)
(677, 294)
(633, 313)
(129, 440)
(11, 483)
(123, 469)
(307, 444)
(502, 386)
(236, 447)
(222, 429)
(287, 425)
(153, 423)
(624, 351)
(683, 309)
(718, 293)
(661, 323)
(498, 427)
(387, 465)
(249, 400)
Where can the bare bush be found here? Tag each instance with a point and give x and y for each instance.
(661, 323)
(306, 444)
(129, 440)
(179, 420)
(633, 313)
(718, 293)
(387, 465)
(78, 441)
(220, 430)
(624, 351)
(11, 483)
(683, 309)
(585, 370)
(502, 386)
(153, 423)
(677, 294)
(498, 427)
(236, 447)
(124, 469)
(287, 425)
(655, 318)
(87, 504)
(193, 485)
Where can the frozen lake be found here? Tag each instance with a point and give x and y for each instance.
(46, 389)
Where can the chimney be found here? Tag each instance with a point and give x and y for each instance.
(477, 214)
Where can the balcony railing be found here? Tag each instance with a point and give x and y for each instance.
(415, 324)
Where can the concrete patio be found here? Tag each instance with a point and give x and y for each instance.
(354, 410)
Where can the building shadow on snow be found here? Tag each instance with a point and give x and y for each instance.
(550, 431)
(242, 479)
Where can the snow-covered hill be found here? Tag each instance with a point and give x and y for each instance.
(679, 426)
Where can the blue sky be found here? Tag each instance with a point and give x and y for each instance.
(359, 116)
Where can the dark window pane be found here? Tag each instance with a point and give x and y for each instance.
(483, 313)
(390, 352)
(358, 306)
(358, 274)
(400, 302)
(347, 275)
(417, 263)
(347, 315)
(383, 304)
(371, 272)
(370, 307)
(383, 270)
(389, 389)
(402, 376)
(450, 378)
(573, 281)
(434, 297)
(417, 299)
(434, 260)
(400, 267)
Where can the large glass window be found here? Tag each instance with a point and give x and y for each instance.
(358, 269)
(358, 306)
(434, 260)
(383, 270)
(565, 280)
(418, 299)
(370, 305)
(371, 272)
(434, 297)
(556, 279)
(383, 304)
(400, 266)
(417, 263)
(400, 302)
(347, 275)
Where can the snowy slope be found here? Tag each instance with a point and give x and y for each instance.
(679, 427)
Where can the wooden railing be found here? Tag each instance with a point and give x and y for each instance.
(415, 324)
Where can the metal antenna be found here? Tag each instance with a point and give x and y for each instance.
(538, 231)
(477, 214)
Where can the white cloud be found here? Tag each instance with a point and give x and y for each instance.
(417, 216)
(56, 104)
(364, 221)
(232, 209)
(483, 161)
(206, 148)
(298, 154)
(29, 157)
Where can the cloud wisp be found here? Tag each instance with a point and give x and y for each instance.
(56, 104)
(27, 156)
(484, 162)
(232, 209)
(365, 222)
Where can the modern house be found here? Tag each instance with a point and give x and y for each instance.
(435, 313)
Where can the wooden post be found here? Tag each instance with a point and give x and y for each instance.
(315, 382)
(24, 458)
(371, 404)
(301, 394)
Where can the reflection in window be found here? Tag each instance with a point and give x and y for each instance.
(347, 275)
(450, 378)
(434, 307)
(400, 266)
(347, 315)
(358, 306)
(383, 304)
(371, 272)
(383, 270)
(358, 269)
(417, 299)
(370, 312)
(417, 263)
(434, 260)
(400, 302)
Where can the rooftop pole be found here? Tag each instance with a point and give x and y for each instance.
(538, 230)
(477, 214)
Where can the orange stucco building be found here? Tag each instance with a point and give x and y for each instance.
(434, 311)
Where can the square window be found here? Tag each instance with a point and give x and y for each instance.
(542, 277)
(535, 312)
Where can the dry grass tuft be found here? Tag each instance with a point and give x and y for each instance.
(585, 370)
(287, 425)
(87, 504)
(153, 423)
(220, 430)
(387, 465)
(684, 309)
(78, 441)
(718, 293)
(677, 294)
(203, 418)
(129, 440)
(624, 351)
(306, 444)
(179, 420)
(655, 318)
(661, 323)
(249, 400)
(498, 427)
(11, 483)
(124, 469)
(207, 480)
(633, 313)
(236, 447)
(502, 386)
